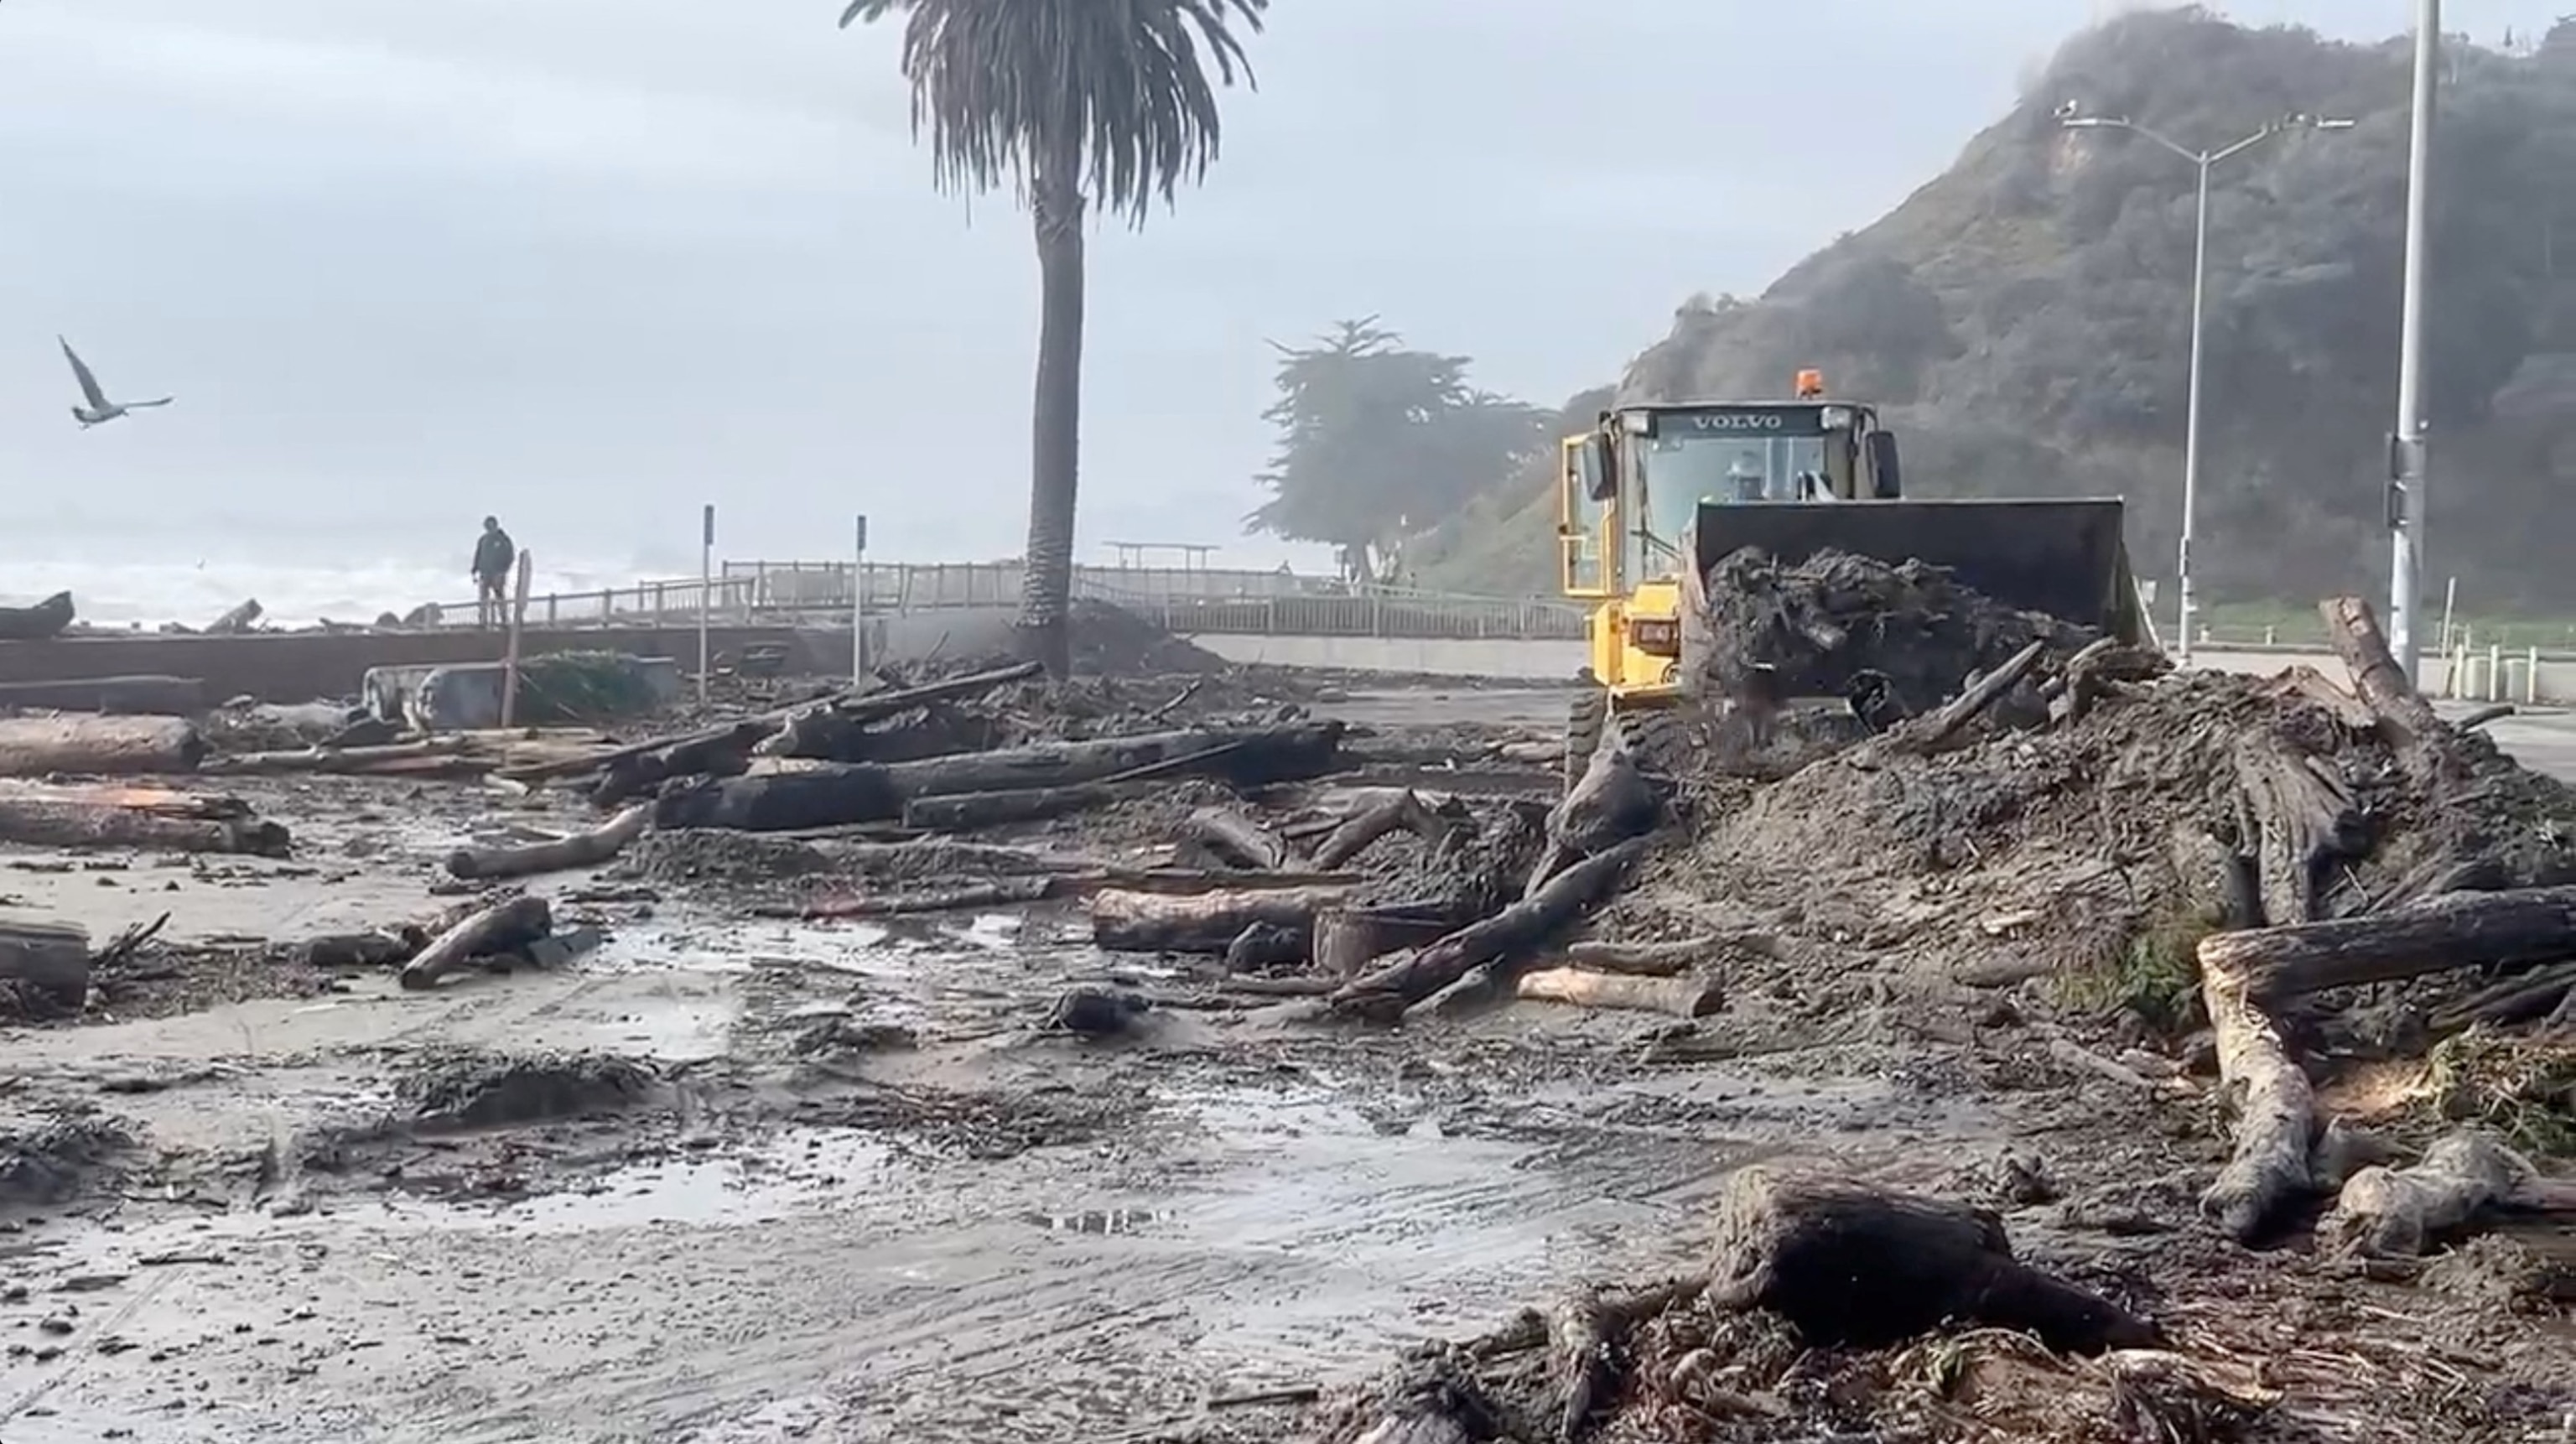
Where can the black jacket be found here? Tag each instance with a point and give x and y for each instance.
(493, 554)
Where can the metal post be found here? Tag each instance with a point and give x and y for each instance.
(2191, 417)
(2409, 469)
(2450, 603)
(706, 591)
(859, 604)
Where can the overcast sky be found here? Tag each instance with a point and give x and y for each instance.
(590, 263)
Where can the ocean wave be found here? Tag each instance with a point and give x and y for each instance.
(149, 593)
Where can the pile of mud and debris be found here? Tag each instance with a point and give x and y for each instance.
(2325, 934)
(1907, 631)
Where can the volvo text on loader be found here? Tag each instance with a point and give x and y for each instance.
(1654, 494)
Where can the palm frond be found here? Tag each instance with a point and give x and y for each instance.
(1115, 97)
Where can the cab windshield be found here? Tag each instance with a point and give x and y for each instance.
(1676, 473)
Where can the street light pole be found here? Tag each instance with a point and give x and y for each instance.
(2408, 453)
(2184, 607)
(2204, 161)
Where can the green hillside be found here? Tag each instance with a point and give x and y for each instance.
(2024, 318)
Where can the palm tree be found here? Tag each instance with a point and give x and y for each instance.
(1079, 104)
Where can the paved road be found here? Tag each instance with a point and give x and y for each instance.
(2543, 739)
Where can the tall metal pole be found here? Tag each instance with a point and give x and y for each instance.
(2409, 461)
(706, 592)
(2191, 416)
(2070, 115)
(859, 604)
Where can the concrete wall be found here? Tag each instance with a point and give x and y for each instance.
(303, 666)
(1546, 661)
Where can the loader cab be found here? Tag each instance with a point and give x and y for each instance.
(1633, 485)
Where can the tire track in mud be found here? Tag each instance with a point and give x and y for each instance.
(1049, 1296)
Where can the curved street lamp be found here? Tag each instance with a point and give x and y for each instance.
(2071, 116)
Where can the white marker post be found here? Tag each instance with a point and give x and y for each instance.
(706, 591)
(859, 605)
(518, 629)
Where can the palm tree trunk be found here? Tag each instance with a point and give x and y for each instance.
(1046, 584)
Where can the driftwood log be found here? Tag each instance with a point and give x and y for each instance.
(1854, 1266)
(1662, 960)
(1981, 694)
(48, 958)
(1130, 921)
(136, 817)
(1514, 931)
(2305, 819)
(580, 849)
(1230, 839)
(236, 621)
(2268, 1173)
(2459, 930)
(722, 752)
(341, 761)
(835, 795)
(2464, 1178)
(2518, 999)
(44, 620)
(861, 706)
(2405, 718)
(502, 927)
(938, 898)
(1611, 802)
(1678, 996)
(1404, 812)
(147, 696)
(98, 746)
(973, 811)
(382, 947)
(1267, 945)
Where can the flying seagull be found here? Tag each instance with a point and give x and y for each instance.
(97, 407)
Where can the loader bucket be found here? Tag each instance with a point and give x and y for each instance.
(2065, 558)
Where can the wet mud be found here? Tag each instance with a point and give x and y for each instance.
(742, 1177)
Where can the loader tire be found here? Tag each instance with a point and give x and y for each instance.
(1584, 719)
(1659, 740)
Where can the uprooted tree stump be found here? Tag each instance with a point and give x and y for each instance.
(49, 958)
(1347, 939)
(1855, 1266)
(2465, 1176)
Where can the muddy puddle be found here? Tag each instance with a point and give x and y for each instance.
(1286, 1234)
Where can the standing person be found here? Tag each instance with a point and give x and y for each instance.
(493, 555)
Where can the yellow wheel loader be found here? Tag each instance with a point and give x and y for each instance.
(1654, 495)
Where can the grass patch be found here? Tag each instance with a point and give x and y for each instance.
(2154, 976)
(2523, 1088)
